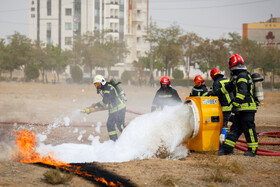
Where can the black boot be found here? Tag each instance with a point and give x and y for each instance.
(250, 153)
(224, 152)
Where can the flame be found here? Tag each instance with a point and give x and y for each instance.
(25, 152)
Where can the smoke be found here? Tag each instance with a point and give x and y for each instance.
(146, 136)
(6, 145)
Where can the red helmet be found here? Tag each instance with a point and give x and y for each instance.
(198, 78)
(165, 80)
(236, 62)
(214, 72)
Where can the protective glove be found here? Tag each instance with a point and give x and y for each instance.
(210, 93)
(88, 110)
(235, 110)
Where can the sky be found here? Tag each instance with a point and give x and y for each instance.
(208, 18)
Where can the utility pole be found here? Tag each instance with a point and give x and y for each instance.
(151, 55)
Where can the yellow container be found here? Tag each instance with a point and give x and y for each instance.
(207, 123)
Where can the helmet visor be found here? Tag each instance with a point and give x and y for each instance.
(197, 84)
(97, 84)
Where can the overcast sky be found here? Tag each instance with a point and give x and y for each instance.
(207, 18)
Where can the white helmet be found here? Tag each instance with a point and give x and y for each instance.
(99, 78)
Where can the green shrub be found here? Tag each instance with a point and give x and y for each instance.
(31, 72)
(178, 74)
(77, 74)
(126, 76)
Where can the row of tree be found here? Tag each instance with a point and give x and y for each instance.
(89, 51)
(169, 48)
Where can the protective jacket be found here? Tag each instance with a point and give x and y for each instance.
(111, 98)
(243, 91)
(199, 91)
(116, 108)
(165, 97)
(219, 89)
(244, 120)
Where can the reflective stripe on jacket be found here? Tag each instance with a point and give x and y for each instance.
(244, 93)
(111, 99)
(220, 89)
(199, 91)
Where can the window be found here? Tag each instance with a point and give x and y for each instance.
(32, 2)
(68, 12)
(49, 7)
(49, 26)
(96, 12)
(139, 28)
(121, 2)
(68, 26)
(121, 14)
(32, 15)
(49, 33)
(68, 41)
(96, 26)
(32, 9)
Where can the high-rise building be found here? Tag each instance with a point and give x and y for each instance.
(58, 21)
(264, 33)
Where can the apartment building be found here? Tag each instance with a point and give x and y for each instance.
(58, 21)
(264, 33)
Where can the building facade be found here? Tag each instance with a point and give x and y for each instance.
(264, 33)
(56, 22)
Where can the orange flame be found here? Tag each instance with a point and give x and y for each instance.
(25, 152)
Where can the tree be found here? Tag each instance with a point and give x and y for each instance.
(3, 56)
(189, 42)
(168, 48)
(204, 55)
(76, 74)
(178, 74)
(31, 72)
(19, 50)
(97, 49)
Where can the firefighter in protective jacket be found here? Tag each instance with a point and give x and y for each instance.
(166, 95)
(219, 89)
(199, 88)
(115, 104)
(244, 108)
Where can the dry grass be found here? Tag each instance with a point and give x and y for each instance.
(219, 169)
(169, 180)
(55, 176)
(162, 152)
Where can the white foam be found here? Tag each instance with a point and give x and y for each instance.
(141, 139)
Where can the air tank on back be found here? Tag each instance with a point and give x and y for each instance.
(258, 88)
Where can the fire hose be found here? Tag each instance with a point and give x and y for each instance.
(264, 152)
(46, 124)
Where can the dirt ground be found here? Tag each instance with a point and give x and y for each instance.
(49, 103)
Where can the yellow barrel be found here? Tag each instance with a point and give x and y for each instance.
(207, 123)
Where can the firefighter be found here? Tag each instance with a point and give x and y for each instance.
(225, 97)
(115, 104)
(243, 106)
(166, 95)
(199, 88)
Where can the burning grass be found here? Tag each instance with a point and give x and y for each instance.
(25, 151)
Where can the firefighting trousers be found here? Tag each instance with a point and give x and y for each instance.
(116, 118)
(226, 116)
(243, 122)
